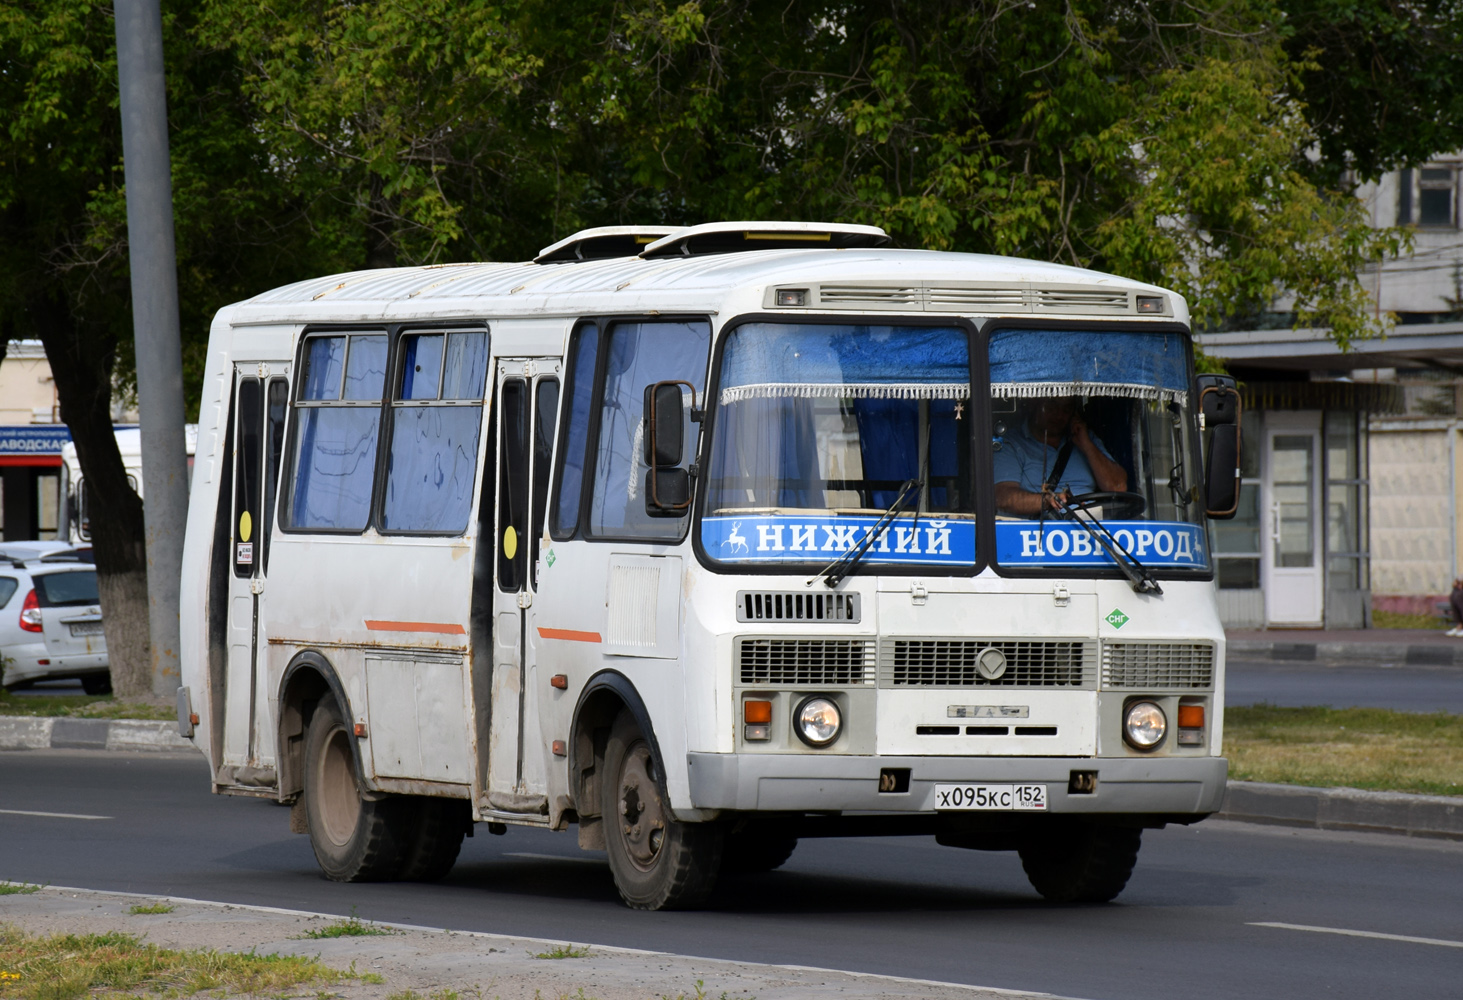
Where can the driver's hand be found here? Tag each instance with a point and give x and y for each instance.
(1077, 429)
(1051, 500)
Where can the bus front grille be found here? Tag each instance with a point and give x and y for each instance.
(958, 663)
(777, 606)
(821, 662)
(1158, 665)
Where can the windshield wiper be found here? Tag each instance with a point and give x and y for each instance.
(845, 564)
(1139, 577)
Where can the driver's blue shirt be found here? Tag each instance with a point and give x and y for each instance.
(1026, 461)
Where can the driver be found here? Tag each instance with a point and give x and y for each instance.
(1029, 457)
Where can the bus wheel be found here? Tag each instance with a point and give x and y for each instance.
(1086, 864)
(435, 831)
(658, 863)
(355, 839)
(757, 849)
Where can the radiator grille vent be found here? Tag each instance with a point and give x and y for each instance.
(953, 663)
(1157, 665)
(772, 606)
(804, 661)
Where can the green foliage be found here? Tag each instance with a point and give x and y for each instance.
(148, 909)
(564, 951)
(81, 706)
(73, 966)
(351, 926)
(18, 888)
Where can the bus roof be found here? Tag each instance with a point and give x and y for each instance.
(858, 280)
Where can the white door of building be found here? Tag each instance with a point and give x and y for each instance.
(1291, 491)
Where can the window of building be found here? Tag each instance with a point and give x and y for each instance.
(436, 415)
(636, 355)
(1428, 197)
(1237, 541)
(336, 429)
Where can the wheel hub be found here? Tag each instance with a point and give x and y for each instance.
(340, 801)
(642, 813)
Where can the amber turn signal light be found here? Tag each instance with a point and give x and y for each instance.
(560, 681)
(757, 712)
(1191, 716)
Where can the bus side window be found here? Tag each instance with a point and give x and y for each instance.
(573, 451)
(636, 355)
(337, 424)
(247, 522)
(436, 415)
(277, 399)
(513, 484)
(545, 420)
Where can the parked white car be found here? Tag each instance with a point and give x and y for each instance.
(50, 618)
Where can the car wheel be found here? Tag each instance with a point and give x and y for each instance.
(435, 828)
(355, 838)
(658, 862)
(97, 683)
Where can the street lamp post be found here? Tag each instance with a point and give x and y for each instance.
(154, 321)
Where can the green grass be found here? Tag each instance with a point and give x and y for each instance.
(1370, 748)
(443, 994)
(1396, 619)
(82, 706)
(143, 909)
(76, 966)
(564, 951)
(18, 888)
(351, 926)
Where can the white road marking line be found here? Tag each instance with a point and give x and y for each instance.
(490, 936)
(554, 857)
(1440, 942)
(28, 812)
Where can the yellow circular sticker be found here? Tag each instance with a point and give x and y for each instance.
(510, 541)
(246, 526)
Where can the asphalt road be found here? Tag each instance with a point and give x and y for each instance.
(1406, 689)
(1185, 927)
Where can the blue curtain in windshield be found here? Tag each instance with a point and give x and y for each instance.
(775, 360)
(1030, 363)
(770, 449)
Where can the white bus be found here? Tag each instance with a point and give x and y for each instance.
(75, 516)
(706, 540)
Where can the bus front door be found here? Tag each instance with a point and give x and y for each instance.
(527, 401)
(261, 404)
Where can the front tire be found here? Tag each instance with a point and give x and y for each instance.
(355, 839)
(97, 683)
(1085, 863)
(658, 862)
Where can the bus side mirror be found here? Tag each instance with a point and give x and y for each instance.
(1219, 413)
(667, 485)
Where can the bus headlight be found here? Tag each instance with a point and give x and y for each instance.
(818, 721)
(1144, 725)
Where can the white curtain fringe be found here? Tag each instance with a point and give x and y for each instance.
(1040, 390)
(845, 390)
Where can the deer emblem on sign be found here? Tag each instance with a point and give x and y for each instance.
(736, 540)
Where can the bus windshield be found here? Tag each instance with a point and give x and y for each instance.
(1091, 436)
(818, 427)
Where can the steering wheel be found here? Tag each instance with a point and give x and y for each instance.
(1127, 504)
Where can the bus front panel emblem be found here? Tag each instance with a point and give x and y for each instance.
(991, 663)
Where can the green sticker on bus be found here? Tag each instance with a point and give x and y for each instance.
(1116, 618)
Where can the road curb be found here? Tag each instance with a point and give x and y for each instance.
(18, 732)
(1437, 816)
(1413, 654)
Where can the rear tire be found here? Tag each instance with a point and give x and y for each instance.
(658, 862)
(355, 839)
(97, 683)
(1084, 863)
(436, 828)
(757, 849)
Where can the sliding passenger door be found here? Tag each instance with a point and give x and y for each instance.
(528, 405)
(261, 405)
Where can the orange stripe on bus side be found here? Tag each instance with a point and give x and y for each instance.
(568, 633)
(445, 628)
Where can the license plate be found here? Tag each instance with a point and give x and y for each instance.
(86, 628)
(1001, 798)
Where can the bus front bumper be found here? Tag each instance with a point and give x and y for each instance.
(813, 783)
